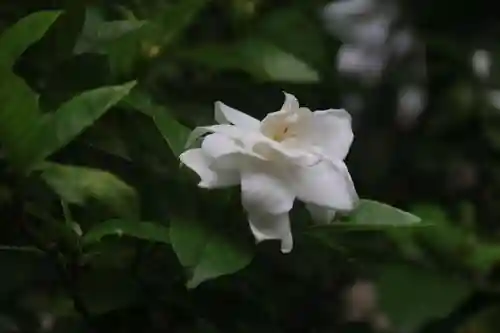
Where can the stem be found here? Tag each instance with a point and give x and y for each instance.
(69, 277)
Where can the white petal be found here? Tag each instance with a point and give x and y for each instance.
(320, 215)
(197, 161)
(285, 153)
(259, 146)
(227, 115)
(327, 184)
(291, 103)
(269, 226)
(263, 191)
(224, 152)
(332, 131)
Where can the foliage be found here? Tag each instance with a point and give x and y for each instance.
(104, 231)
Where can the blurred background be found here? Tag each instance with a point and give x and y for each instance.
(421, 80)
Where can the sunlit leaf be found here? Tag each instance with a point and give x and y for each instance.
(77, 185)
(149, 231)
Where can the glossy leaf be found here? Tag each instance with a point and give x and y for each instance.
(77, 185)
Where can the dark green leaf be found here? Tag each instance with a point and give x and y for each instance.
(149, 231)
(153, 37)
(206, 252)
(72, 118)
(19, 117)
(24, 33)
(29, 137)
(259, 58)
(412, 295)
(171, 130)
(295, 31)
(176, 19)
(77, 185)
(97, 33)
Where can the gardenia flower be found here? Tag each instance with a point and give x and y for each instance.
(292, 153)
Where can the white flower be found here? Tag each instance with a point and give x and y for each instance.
(292, 153)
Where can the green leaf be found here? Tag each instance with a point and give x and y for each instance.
(207, 253)
(28, 137)
(177, 18)
(293, 30)
(16, 39)
(174, 133)
(19, 116)
(445, 237)
(97, 33)
(159, 33)
(455, 243)
(277, 64)
(259, 58)
(77, 185)
(149, 231)
(372, 213)
(72, 118)
(412, 295)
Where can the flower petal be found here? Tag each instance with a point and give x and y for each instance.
(263, 191)
(259, 146)
(227, 115)
(319, 214)
(327, 184)
(285, 153)
(332, 130)
(197, 161)
(291, 103)
(223, 151)
(269, 226)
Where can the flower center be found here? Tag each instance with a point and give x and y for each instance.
(281, 133)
